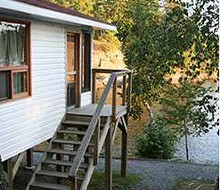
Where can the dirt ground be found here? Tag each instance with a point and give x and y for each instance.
(22, 178)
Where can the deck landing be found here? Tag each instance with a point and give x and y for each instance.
(90, 110)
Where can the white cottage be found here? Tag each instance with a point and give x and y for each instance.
(47, 90)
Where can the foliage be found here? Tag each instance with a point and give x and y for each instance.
(154, 40)
(151, 52)
(185, 109)
(119, 182)
(206, 15)
(85, 6)
(189, 109)
(107, 11)
(108, 41)
(157, 141)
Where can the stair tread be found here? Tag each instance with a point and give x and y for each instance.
(50, 186)
(71, 122)
(72, 132)
(69, 142)
(52, 173)
(67, 152)
(63, 163)
(66, 141)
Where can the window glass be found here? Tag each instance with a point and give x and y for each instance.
(4, 84)
(12, 43)
(71, 58)
(86, 63)
(20, 82)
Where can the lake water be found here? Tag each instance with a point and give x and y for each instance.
(204, 149)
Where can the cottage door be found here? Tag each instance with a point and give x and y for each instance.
(72, 70)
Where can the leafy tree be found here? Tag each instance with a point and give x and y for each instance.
(154, 41)
(106, 10)
(206, 14)
(185, 109)
(111, 11)
(85, 6)
(188, 109)
(151, 51)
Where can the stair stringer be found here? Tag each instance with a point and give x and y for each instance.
(44, 156)
(91, 168)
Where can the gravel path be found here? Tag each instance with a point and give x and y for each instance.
(161, 175)
(153, 174)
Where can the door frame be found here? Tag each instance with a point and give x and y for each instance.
(78, 69)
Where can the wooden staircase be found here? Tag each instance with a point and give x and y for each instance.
(52, 172)
(74, 149)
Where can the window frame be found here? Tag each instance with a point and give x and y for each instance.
(23, 68)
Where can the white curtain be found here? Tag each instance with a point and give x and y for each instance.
(3, 48)
(12, 39)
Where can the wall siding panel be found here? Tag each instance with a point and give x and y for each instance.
(27, 122)
(86, 98)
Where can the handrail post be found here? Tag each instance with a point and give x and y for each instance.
(124, 151)
(129, 91)
(108, 160)
(124, 91)
(93, 86)
(73, 185)
(96, 143)
(114, 95)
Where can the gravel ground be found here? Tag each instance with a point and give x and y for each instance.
(153, 174)
(161, 175)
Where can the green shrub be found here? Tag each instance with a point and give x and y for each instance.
(157, 141)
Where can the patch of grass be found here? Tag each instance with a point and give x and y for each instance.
(194, 184)
(119, 183)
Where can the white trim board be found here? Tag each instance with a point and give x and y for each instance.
(53, 15)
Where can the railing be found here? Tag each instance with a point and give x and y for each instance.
(94, 126)
(126, 92)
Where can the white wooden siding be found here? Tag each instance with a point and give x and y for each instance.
(86, 98)
(27, 122)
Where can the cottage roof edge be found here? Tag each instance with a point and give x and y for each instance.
(45, 9)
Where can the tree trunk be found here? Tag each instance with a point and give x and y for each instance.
(186, 141)
(150, 113)
(186, 145)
